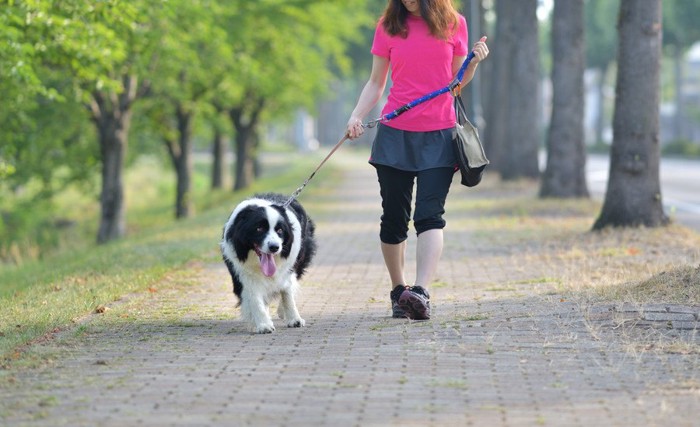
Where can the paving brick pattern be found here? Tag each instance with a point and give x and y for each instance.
(524, 356)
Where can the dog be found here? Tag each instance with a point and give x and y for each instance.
(267, 249)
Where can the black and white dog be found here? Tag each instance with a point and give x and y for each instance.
(266, 248)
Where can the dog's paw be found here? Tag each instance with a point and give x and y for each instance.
(296, 323)
(264, 328)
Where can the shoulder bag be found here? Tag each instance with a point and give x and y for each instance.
(467, 146)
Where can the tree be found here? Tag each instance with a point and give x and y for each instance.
(284, 56)
(253, 61)
(565, 175)
(188, 68)
(111, 105)
(474, 12)
(45, 48)
(633, 195)
(53, 48)
(497, 97)
(514, 133)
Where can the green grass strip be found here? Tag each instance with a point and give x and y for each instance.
(42, 296)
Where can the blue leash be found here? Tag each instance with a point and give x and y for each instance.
(449, 88)
(385, 118)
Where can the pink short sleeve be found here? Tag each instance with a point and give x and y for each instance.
(380, 44)
(420, 64)
(461, 38)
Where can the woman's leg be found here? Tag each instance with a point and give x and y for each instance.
(428, 252)
(394, 256)
(396, 189)
(431, 193)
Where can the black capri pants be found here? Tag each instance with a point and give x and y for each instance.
(396, 189)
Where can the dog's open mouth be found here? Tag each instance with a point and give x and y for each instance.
(267, 262)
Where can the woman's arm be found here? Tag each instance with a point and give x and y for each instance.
(370, 95)
(481, 51)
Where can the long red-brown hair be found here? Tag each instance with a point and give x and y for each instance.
(440, 15)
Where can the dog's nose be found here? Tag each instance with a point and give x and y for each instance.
(274, 247)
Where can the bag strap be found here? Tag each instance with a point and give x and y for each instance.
(460, 109)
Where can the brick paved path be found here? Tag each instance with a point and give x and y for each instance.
(502, 349)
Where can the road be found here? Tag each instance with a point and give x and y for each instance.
(680, 186)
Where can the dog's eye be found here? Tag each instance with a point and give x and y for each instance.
(279, 232)
(260, 229)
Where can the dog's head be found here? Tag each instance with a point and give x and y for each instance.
(261, 228)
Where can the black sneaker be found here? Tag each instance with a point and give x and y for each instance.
(414, 303)
(396, 311)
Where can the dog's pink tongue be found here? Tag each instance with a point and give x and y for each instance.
(267, 264)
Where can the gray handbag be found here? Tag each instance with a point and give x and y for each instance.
(467, 146)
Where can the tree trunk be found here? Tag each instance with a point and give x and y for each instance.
(473, 10)
(565, 175)
(245, 120)
(499, 86)
(183, 203)
(633, 196)
(519, 157)
(112, 131)
(243, 173)
(218, 157)
(181, 156)
(111, 113)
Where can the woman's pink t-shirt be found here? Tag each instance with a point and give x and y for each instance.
(420, 64)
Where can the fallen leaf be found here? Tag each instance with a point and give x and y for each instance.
(101, 309)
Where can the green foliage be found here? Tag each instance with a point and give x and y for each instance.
(53, 152)
(286, 52)
(601, 32)
(45, 133)
(58, 57)
(681, 147)
(680, 23)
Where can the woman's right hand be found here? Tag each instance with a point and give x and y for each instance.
(354, 128)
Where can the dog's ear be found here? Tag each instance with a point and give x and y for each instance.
(240, 231)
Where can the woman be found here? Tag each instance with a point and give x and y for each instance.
(424, 43)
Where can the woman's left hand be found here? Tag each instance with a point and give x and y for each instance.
(481, 50)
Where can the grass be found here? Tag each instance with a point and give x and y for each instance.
(678, 285)
(38, 297)
(552, 240)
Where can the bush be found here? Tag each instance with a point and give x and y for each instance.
(681, 147)
(23, 230)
